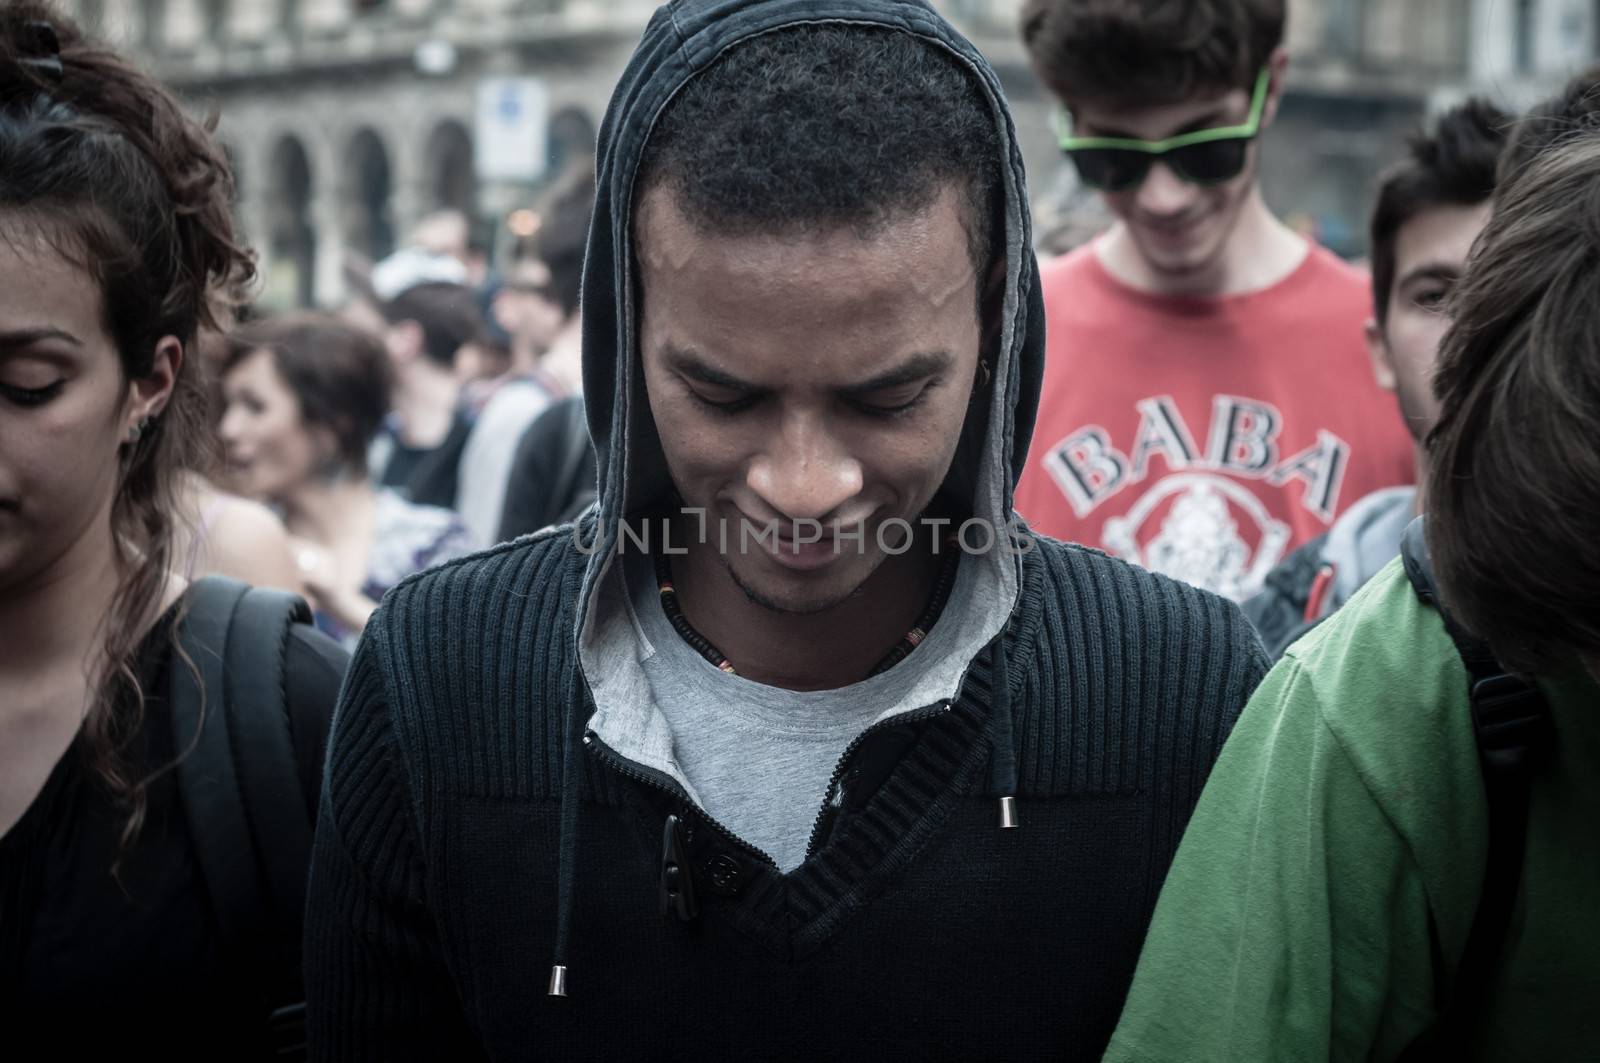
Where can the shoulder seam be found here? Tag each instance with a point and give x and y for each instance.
(1299, 675)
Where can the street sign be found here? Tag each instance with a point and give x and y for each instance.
(511, 129)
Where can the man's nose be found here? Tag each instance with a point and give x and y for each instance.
(806, 472)
(1164, 193)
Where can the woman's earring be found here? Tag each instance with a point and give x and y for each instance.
(138, 430)
(985, 374)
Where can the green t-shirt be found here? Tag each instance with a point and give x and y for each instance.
(1343, 827)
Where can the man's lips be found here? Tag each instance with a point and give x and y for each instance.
(1172, 229)
(804, 556)
(798, 546)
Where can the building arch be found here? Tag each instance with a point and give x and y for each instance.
(290, 235)
(451, 182)
(367, 185)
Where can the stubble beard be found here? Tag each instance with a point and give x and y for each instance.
(811, 607)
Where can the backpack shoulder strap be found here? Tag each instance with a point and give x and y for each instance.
(1511, 723)
(240, 781)
(259, 721)
(207, 770)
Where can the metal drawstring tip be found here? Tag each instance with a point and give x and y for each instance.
(558, 981)
(1008, 812)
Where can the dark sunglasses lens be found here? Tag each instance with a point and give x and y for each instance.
(1110, 169)
(1210, 163)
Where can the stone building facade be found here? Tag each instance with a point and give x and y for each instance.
(348, 120)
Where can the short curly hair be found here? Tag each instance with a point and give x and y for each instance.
(824, 125)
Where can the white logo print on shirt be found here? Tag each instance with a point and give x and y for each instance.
(1217, 533)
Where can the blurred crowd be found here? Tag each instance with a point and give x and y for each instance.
(437, 412)
(1262, 726)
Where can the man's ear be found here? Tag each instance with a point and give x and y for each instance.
(1378, 351)
(149, 395)
(1278, 79)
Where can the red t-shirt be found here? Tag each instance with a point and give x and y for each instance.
(1206, 437)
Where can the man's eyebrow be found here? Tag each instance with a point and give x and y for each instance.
(1443, 271)
(915, 368)
(1214, 119)
(690, 364)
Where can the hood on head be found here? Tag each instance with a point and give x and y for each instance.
(682, 39)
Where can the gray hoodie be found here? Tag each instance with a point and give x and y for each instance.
(1314, 581)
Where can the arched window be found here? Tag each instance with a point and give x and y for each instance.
(152, 23)
(452, 184)
(290, 234)
(1525, 33)
(368, 224)
(215, 13)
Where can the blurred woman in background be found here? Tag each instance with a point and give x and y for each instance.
(115, 234)
(303, 396)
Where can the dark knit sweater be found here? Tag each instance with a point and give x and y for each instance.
(469, 840)
(917, 930)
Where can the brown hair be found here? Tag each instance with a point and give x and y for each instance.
(1451, 164)
(446, 313)
(339, 373)
(1514, 464)
(99, 162)
(1148, 52)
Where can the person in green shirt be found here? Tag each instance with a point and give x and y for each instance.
(1323, 893)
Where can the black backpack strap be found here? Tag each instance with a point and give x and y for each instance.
(240, 781)
(1512, 725)
(207, 771)
(258, 718)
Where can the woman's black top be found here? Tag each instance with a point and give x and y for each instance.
(92, 961)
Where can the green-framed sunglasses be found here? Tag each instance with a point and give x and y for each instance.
(1204, 157)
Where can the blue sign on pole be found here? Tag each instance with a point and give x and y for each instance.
(511, 129)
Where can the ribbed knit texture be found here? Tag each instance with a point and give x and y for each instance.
(918, 930)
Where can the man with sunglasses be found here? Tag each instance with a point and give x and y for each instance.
(1208, 404)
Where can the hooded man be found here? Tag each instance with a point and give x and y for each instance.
(893, 776)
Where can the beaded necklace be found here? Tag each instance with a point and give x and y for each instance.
(702, 645)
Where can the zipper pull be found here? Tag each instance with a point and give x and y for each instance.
(677, 877)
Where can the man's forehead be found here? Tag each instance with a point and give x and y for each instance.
(1440, 235)
(924, 252)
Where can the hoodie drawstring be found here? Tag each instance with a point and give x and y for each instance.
(1002, 781)
(566, 853)
(1003, 753)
